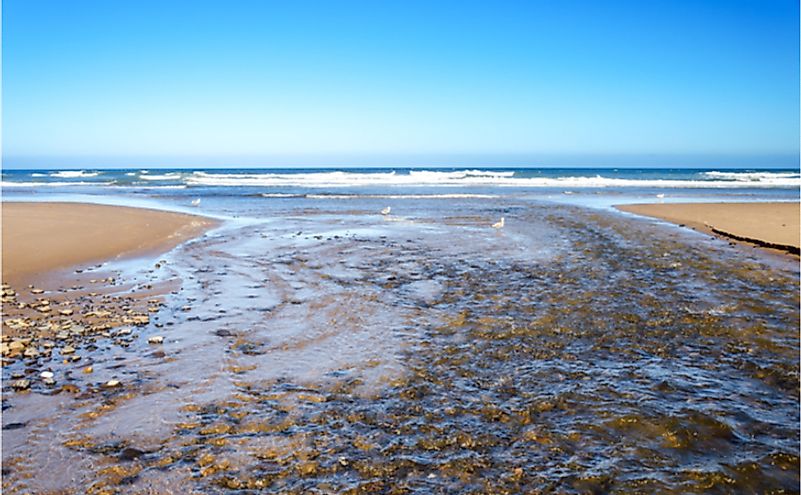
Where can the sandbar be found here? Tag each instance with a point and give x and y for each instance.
(42, 237)
(770, 225)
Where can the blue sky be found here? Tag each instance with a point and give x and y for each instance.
(249, 83)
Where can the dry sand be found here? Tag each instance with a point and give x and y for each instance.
(42, 237)
(772, 225)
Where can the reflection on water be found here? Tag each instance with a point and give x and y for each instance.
(321, 351)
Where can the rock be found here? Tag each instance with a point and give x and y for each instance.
(157, 339)
(88, 369)
(112, 384)
(140, 320)
(65, 312)
(21, 384)
(37, 291)
(130, 453)
(46, 374)
(124, 331)
(67, 350)
(16, 346)
(49, 381)
(31, 352)
(223, 333)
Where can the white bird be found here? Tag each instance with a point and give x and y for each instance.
(386, 210)
(196, 202)
(499, 225)
(660, 196)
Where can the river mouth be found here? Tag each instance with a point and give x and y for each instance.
(320, 351)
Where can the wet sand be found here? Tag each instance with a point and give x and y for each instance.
(771, 225)
(41, 237)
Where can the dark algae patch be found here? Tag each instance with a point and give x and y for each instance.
(624, 360)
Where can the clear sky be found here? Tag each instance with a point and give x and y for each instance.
(236, 82)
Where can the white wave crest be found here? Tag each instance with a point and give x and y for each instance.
(351, 179)
(149, 187)
(459, 174)
(52, 184)
(338, 179)
(174, 176)
(74, 174)
(761, 177)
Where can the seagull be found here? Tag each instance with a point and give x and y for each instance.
(499, 225)
(386, 210)
(196, 202)
(660, 196)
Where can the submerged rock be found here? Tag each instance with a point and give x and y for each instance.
(130, 453)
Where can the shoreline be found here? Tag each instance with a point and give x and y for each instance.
(771, 226)
(42, 238)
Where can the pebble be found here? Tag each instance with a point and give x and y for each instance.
(65, 312)
(158, 339)
(140, 320)
(46, 374)
(68, 350)
(21, 384)
(112, 383)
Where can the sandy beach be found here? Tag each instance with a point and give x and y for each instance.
(771, 225)
(41, 237)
